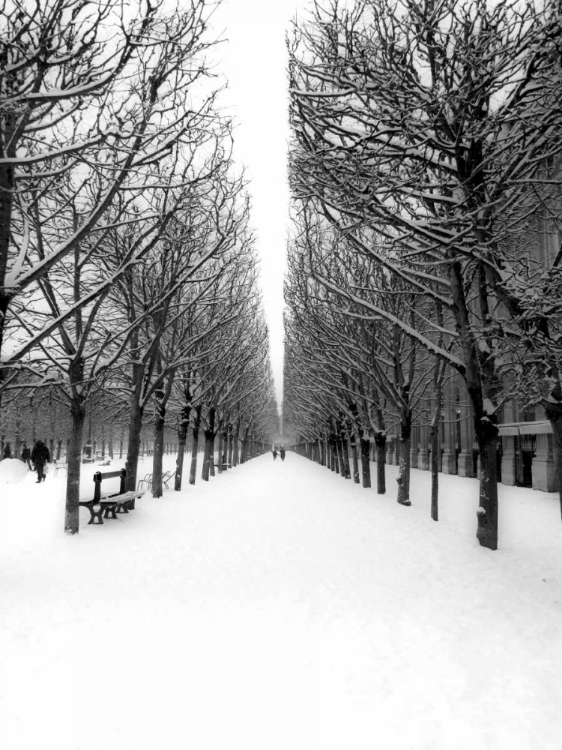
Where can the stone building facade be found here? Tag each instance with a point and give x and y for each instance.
(525, 453)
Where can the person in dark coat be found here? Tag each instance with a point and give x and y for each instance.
(40, 456)
(7, 451)
(26, 456)
(274, 454)
(282, 454)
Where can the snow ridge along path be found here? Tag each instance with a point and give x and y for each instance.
(280, 606)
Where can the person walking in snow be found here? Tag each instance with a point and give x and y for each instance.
(40, 456)
(26, 455)
(274, 454)
(7, 451)
(282, 454)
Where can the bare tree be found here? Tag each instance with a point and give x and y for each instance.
(89, 104)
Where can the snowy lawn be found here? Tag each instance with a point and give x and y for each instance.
(280, 606)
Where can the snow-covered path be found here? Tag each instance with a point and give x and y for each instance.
(280, 606)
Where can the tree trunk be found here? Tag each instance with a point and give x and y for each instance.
(212, 438)
(365, 465)
(404, 460)
(195, 443)
(220, 449)
(159, 422)
(244, 451)
(487, 532)
(73, 458)
(380, 444)
(335, 456)
(183, 427)
(344, 453)
(482, 385)
(208, 456)
(230, 446)
(355, 460)
(434, 437)
(236, 446)
(133, 450)
(17, 441)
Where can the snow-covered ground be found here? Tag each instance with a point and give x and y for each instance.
(280, 606)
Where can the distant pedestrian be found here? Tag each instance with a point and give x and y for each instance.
(282, 454)
(274, 454)
(40, 456)
(26, 456)
(7, 451)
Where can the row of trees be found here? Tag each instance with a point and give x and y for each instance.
(127, 266)
(426, 167)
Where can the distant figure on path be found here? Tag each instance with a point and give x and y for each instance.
(26, 455)
(282, 454)
(274, 454)
(40, 456)
(7, 451)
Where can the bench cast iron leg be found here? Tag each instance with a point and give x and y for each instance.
(95, 514)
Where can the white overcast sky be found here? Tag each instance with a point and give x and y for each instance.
(255, 62)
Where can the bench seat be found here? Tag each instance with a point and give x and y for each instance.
(108, 506)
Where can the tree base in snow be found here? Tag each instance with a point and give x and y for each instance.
(487, 534)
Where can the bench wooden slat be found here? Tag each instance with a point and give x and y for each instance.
(108, 474)
(121, 498)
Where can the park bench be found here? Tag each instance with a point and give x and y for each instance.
(147, 481)
(107, 506)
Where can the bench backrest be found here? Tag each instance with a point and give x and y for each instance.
(99, 477)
